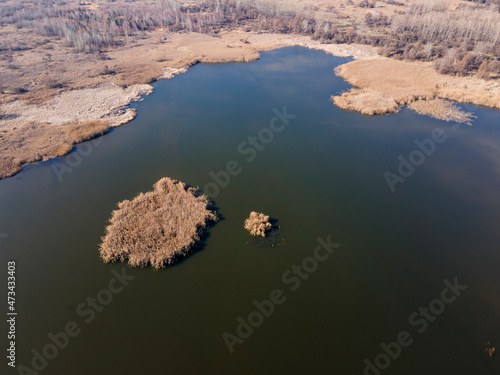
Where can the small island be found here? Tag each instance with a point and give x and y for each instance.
(157, 228)
(258, 224)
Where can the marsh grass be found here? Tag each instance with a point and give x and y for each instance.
(86, 130)
(382, 85)
(258, 224)
(34, 142)
(157, 228)
(368, 102)
(442, 110)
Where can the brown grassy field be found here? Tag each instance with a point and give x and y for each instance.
(157, 228)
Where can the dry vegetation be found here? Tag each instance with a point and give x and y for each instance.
(407, 82)
(441, 110)
(108, 102)
(68, 62)
(258, 224)
(459, 37)
(34, 142)
(367, 102)
(455, 38)
(53, 46)
(58, 54)
(157, 228)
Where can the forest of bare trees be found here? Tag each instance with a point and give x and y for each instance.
(90, 30)
(463, 40)
(460, 41)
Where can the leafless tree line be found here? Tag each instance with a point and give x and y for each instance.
(92, 30)
(463, 40)
(433, 20)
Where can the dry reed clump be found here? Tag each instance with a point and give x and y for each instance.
(489, 349)
(258, 224)
(365, 101)
(156, 228)
(441, 110)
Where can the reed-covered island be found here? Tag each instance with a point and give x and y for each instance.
(158, 227)
(258, 224)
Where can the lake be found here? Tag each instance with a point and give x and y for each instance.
(320, 172)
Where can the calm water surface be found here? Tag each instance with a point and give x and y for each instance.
(323, 175)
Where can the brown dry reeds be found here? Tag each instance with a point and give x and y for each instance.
(258, 224)
(34, 142)
(86, 130)
(384, 84)
(158, 227)
(365, 101)
(441, 110)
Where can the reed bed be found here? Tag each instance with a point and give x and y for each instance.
(367, 102)
(158, 227)
(384, 84)
(442, 110)
(30, 142)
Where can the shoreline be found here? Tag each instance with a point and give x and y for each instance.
(383, 85)
(108, 103)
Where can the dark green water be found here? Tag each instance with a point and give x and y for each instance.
(323, 175)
